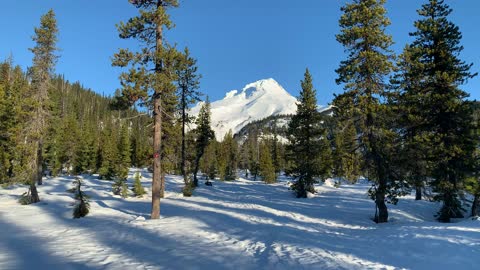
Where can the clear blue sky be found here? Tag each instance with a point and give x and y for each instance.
(236, 42)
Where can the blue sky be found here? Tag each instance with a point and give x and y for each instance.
(235, 42)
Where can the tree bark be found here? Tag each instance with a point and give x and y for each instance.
(475, 204)
(382, 215)
(197, 166)
(40, 163)
(418, 193)
(184, 119)
(34, 193)
(157, 133)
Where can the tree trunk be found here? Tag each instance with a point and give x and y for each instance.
(197, 166)
(40, 163)
(418, 193)
(34, 193)
(475, 204)
(382, 215)
(157, 173)
(162, 184)
(184, 119)
(157, 133)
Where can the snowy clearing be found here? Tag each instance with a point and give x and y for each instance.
(232, 225)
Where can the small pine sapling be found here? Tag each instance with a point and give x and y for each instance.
(119, 187)
(138, 189)
(82, 207)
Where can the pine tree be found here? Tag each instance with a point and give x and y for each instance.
(204, 135)
(36, 102)
(108, 153)
(44, 61)
(472, 184)
(276, 151)
(266, 167)
(139, 83)
(346, 160)
(124, 153)
(438, 116)
(209, 163)
(253, 153)
(306, 136)
(363, 25)
(82, 207)
(138, 189)
(13, 85)
(188, 84)
(228, 158)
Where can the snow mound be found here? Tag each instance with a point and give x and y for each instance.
(256, 101)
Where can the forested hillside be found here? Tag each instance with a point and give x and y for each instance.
(84, 134)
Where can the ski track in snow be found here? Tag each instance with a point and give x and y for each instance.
(232, 225)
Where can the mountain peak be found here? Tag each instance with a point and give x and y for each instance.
(256, 101)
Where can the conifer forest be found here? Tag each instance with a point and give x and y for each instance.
(158, 175)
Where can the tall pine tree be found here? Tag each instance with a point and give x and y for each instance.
(440, 119)
(363, 24)
(151, 74)
(188, 84)
(305, 147)
(204, 134)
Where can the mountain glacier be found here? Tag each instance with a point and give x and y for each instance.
(256, 101)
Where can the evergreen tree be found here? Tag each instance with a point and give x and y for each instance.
(266, 167)
(472, 184)
(346, 160)
(151, 76)
(82, 206)
(209, 163)
(188, 84)
(363, 26)
(439, 119)
(44, 61)
(306, 136)
(228, 158)
(108, 153)
(13, 86)
(36, 100)
(124, 153)
(276, 151)
(253, 154)
(204, 135)
(138, 189)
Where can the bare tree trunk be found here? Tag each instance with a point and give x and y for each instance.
(475, 204)
(40, 162)
(157, 133)
(162, 186)
(34, 193)
(157, 173)
(184, 119)
(418, 193)
(382, 215)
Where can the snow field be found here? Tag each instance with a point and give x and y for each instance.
(232, 225)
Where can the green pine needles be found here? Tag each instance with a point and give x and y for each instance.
(138, 189)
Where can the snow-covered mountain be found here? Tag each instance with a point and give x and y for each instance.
(256, 101)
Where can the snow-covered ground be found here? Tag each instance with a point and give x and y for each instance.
(232, 225)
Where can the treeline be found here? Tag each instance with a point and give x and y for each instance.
(83, 133)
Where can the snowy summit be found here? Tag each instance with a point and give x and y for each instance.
(256, 101)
